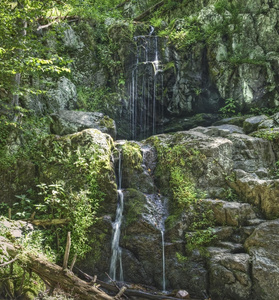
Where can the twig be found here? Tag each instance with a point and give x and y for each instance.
(73, 262)
(149, 11)
(8, 262)
(121, 292)
(67, 251)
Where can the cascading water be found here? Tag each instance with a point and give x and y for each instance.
(156, 213)
(145, 87)
(163, 259)
(116, 250)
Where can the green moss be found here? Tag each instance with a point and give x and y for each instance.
(269, 135)
(107, 122)
(134, 206)
(131, 156)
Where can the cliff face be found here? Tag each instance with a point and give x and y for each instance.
(196, 59)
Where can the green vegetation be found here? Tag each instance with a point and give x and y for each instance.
(15, 281)
(135, 206)
(131, 155)
(267, 134)
(178, 164)
(230, 108)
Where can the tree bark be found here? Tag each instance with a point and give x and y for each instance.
(53, 273)
(49, 222)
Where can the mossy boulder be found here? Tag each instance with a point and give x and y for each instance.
(82, 161)
(137, 166)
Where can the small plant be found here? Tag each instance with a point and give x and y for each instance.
(269, 135)
(24, 207)
(276, 171)
(230, 108)
(202, 233)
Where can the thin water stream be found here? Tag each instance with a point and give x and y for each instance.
(116, 256)
(145, 87)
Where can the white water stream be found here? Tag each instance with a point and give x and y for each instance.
(144, 88)
(163, 261)
(116, 256)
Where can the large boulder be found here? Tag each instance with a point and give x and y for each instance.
(230, 213)
(67, 122)
(262, 246)
(263, 193)
(229, 276)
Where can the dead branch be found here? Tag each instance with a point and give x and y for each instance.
(67, 251)
(53, 273)
(122, 4)
(128, 292)
(73, 262)
(8, 262)
(149, 11)
(49, 222)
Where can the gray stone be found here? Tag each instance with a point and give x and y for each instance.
(229, 275)
(263, 245)
(230, 213)
(67, 122)
(17, 229)
(264, 193)
(266, 124)
(70, 38)
(64, 96)
(251, 154)
(182, 294)
(251, 124)
(221, 130)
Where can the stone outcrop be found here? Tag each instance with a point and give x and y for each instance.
(262, 247)
(67, 122)
(229, 275)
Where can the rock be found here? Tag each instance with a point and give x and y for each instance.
(229, 275)
(71, 158)
(70, 38)
(230, 213)
(221, 130)
(179, 124)
(16, 179)
(266, 124)
(237, 121)
(262, 193)
(17, 229)
(182, 294)
(68, 122)
(251, 124)
(64, 96)
(263, 245)
(138, 163)
(251, 154)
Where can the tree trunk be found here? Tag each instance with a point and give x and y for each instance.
(54, 274)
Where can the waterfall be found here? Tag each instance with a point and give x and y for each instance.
(116, 250)
(163, 260)
(145, 87)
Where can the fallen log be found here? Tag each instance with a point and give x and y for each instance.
(55, 274)
(49, 222)
(128, 292)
